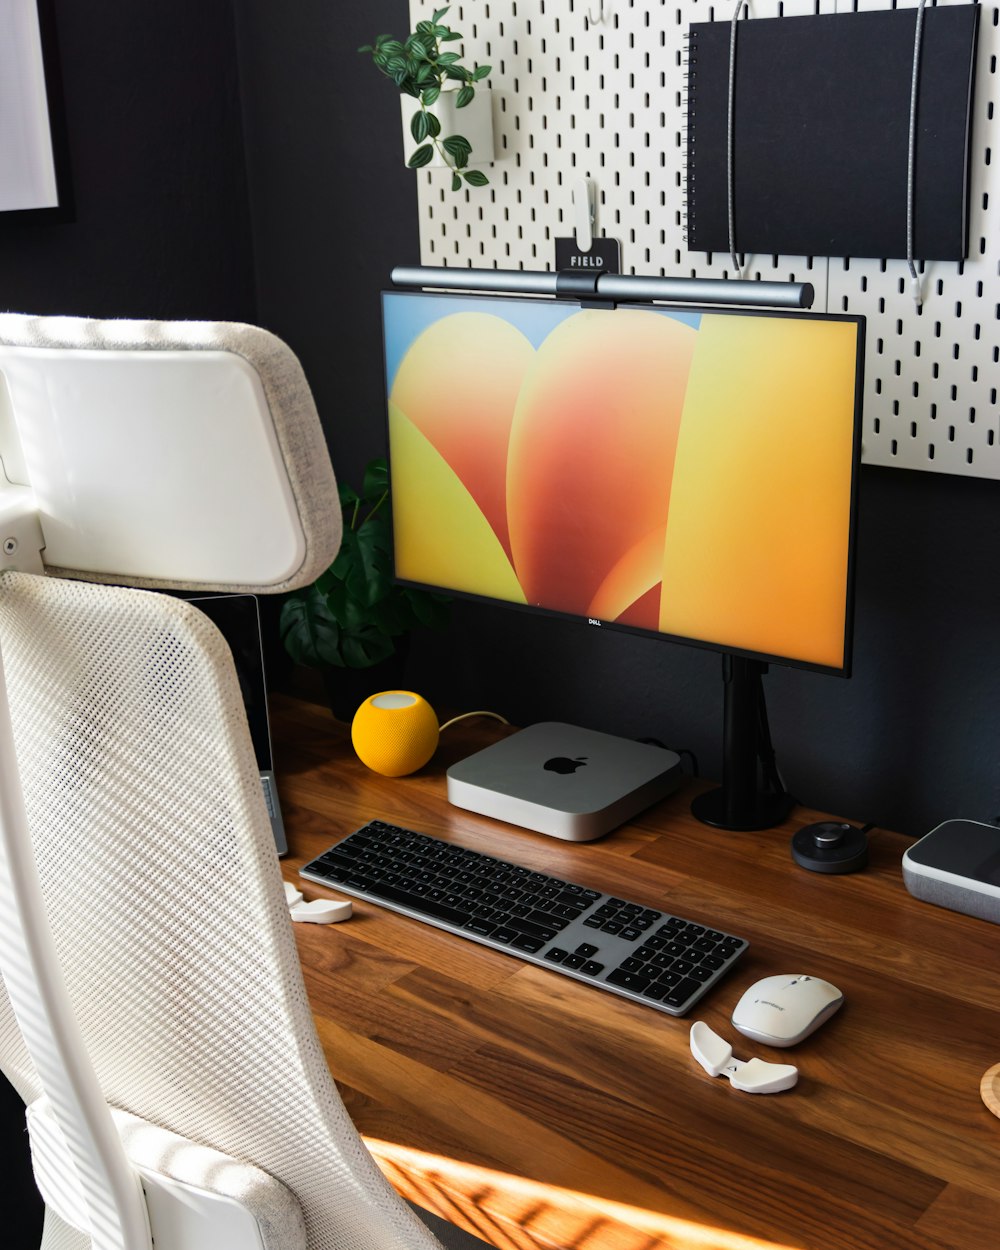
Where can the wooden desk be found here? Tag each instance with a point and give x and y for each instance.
(542, 1112)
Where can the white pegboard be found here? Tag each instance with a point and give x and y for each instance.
(596, 89)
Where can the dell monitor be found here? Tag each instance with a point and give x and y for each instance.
(683, 472)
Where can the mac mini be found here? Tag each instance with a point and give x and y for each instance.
(571, 783)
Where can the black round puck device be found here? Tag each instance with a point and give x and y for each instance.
(830, 846)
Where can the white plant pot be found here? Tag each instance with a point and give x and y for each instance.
(474, 122)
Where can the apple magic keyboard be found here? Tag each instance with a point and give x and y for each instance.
(649, 956)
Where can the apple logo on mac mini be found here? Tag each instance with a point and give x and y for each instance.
(563, 764)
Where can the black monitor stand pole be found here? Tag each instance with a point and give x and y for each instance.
(751, 795)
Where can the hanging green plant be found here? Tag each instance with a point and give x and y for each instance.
(420, 68)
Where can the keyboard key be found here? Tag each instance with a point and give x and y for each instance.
(681, 992)
(628, 980)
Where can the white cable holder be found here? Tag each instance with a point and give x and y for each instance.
(583, 213)
(600, 13)
(317, 910)
(752, 1076)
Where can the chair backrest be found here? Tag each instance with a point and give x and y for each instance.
(165, 898)
(136, 852)
(173, 454)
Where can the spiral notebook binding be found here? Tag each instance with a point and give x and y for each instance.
(689, 59)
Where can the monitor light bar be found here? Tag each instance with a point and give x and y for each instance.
(610, 286)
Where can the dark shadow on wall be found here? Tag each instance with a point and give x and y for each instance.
(161, 224)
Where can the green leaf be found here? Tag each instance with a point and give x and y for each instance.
(439, 13)
(430, 94)
(421, 46)
(390, 47)
(430, 610)
(450, 36)
(370, 580)
(465, 96)
(433, 125)
(422, 156)
(458, 148)
(347, 495)
(482, 71)
(456, 182)
(448, 58)
(367, 647)
(475, 178)
(455, 73)
(420, 126)
(310, 633)
(376, 480)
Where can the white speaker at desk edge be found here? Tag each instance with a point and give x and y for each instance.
(957, 865)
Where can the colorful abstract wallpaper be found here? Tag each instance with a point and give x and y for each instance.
(680, 472)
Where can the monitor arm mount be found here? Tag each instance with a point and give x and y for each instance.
(751, 795)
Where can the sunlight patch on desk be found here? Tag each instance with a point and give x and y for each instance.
(512, 1213)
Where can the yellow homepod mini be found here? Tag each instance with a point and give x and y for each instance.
(395, 732)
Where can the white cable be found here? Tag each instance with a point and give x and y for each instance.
(911, 154)
(729, 136)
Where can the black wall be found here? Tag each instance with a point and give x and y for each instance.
(241, 161)
(161, 224)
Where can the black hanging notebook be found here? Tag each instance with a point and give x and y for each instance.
(821, 129)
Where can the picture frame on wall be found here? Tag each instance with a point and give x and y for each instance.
(34, 184)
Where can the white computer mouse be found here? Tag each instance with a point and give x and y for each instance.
(781, 1011)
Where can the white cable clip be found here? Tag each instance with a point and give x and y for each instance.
(317, 910)
(603, 13)
(583, 213)
(752, 1077)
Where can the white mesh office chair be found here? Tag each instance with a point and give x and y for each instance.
(160, 1033)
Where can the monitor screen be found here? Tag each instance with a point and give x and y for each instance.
(689, 473)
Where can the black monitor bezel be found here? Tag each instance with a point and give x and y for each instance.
(767, 658)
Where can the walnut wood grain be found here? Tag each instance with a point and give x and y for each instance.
(541, 1112)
